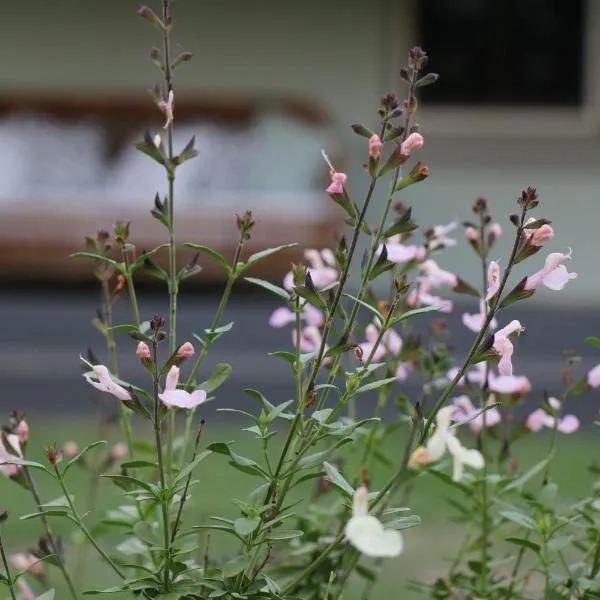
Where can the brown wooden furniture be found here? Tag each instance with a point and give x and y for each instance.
(36, 244)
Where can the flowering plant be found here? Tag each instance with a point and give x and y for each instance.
(350, 346)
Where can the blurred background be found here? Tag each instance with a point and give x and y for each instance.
(269, 86)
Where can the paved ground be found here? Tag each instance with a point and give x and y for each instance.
(43, 333)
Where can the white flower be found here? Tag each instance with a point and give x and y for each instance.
(445, 438)
(100, 378)
(367, 534)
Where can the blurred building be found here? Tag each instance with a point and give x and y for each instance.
(517, 104)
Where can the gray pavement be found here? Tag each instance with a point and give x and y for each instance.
(44, 332)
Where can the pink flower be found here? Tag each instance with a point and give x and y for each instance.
(474, 375)
(390, 342)
(593, 377)
(435, 276)
(322, 269)
(70, 450)
(493, 279)
(403, 370)
(100, 378)
(185, 350)
(495, 230)
(22, 431)
(27, 562)
(536, 237)
(554, 275)
(25, 590)
(472, 234)
(474, 321)
(509, 385)
(172, 397)
(8, 454)
(466, 410)
(338, 180)
(119, 451)
(503, 346)
(310, 339)
(413, 142)
(421, 297)
(283, 316)
(168, 108)
(143, 351)
(539, 419)
(440, 236)
(375, 146)
(399, 253)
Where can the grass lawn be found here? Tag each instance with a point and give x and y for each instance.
(428, 548)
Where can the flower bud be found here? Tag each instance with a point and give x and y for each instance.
(143, 351)
(54, 455)
(375, 146)
(119, 452)
(70, 450)
(419, 458)
(185, 350)
(23, 432)
(157, 140)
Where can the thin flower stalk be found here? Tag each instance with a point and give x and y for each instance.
(10, 582)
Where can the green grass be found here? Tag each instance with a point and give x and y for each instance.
(428, 548)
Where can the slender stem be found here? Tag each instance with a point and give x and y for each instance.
(161, 471)
(135, 309)
(50, 536)
(478, 339)
(220, 309)
(78, 521)
(596, 562)
(9, 579)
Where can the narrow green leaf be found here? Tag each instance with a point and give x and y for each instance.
(219, 376)
(366, 305)
(82, 454)
(523, 542)
(520, 519)
(368, 387)
(284, 534)
(337, 479)
(212, 253)
(257, 256)
(275, 289)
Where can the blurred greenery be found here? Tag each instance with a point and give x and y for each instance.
(428, 548)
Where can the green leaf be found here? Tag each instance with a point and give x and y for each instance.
(219, 376)
(337, 479)
(278, 411)
(409, 314)
(318, 458)
(93, 256)
(147, 147)
(235, 566)
(214, 334)
(13, 460)
(82, 454)
(396, 159)
(530, 474)
(242, 463)
(246, 525)
(212, 253)
(54, 512)
(49, 595)
(519, 519)
(366, 305)
(191, 466)
(593, 341)
(257, 256)
(128, 483)
(275, 289)
(368, 387)
(403, 225)
(284, 534)
(139, 464)
(524, 543)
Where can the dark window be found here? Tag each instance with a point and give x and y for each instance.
(527, 52)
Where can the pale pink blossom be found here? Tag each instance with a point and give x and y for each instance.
(322, 269)
(70, 450)
(8, 454)
(504, 347)
(338, 180)
(440, 236)
(375, 146)
(539, 419)
(400, 253)
(466, 410)
(172, 397)
(593, 377)
(472, 234)
(168, 107)
(509, 385)
(22, 431)
(119, 451)
(157, 141)
(413, 142)
(390, 342)
(185, 350)
(474, 321)
(283, 316)
(493, 279)
(495, 230)
(143, 351)
(100, 378)
(24, 589)
(27, 562)
(536, 237)
(403, 370)
(436, 276)
(477, 374)
(420, 296)
(554, 275)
